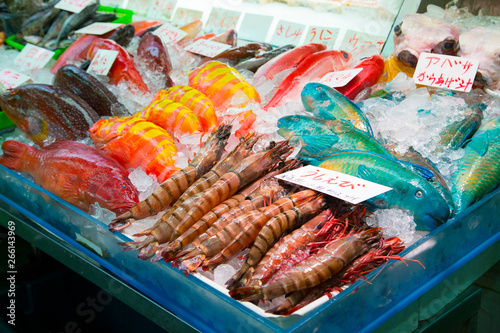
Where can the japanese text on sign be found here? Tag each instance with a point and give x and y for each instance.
(74, 6)
(98, 28)
(356, 42)
(324, 35)
(169, 33)
(336, 184)
(222, 20)
(184, 16)
(287, 33)
(340, 78)
(32, 57)
(443, 71)
(161, 9)
(207, 48)
(102, 61)
(12, 79)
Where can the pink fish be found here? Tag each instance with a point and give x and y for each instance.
(311, 69)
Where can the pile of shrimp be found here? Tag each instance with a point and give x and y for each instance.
(302, 244)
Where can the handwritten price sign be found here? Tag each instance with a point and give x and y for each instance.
(207, 48)
(12, 79)
(102, 62)
(287, 33)
(98, 28)
(336, 184)
(161, 9)
(340, 78)
(32, 57)
(169, 33)
(222, 19)
(442, 71)
(184, 16)
(74, 6)
(325, 35)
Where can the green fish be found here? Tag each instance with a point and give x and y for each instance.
(410, 191)
(479, 170)
(455, 135)
(321, 137)
(327, 103)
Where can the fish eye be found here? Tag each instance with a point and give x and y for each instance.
(124, 186)
(448, 45)
(345, 55)
(318, 88)
(397, 29)
(296, 119)
(419, 194)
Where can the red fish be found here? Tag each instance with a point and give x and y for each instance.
(287, 60)
(123, 68)
(312, 68)
(77, 52)
(141, 27)
(154, 54)
(373, 67)
(80, 174)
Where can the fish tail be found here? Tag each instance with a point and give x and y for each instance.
(13, 152)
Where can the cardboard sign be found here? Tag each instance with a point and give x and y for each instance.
(170, 34)
(32, 57)
(98, 28)
(340, 78)
(12, 79)
(443, 71)
(74, 6)
(207, 48)
(102, 62)
(349, 188)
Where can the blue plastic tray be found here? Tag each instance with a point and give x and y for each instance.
(361, 307)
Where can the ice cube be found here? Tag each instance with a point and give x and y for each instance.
(394, 222)
(140, 179)
(222, 273)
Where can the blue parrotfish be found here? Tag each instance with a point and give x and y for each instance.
(479, 170)
(456, 134)
(321, 137)
(327, 103)
(410, 191)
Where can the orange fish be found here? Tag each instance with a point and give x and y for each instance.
(195, 100)
(77, 173)
(135, 142)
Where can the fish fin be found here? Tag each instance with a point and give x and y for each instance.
(323, 114)
(480, 144)
(13, 152)
(317, 144)
(418, 169)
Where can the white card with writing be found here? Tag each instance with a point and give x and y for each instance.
(98, 28)
(170, 34)
(74, 6)
(340, 185)
(340, 78)
(443, 71)
(12, 79)
(207, 48)
(32, 57)
(102, 62)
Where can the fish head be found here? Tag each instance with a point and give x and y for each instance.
(483, 44)
(419, 33)
(316, 95)
(300, 125)
(117, 194)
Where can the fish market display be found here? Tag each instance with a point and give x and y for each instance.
(237, 54)
(253, 64)
(46, 113)
(372, 69)
(77, 173)
(91, 90)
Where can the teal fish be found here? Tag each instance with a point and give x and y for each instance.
(479, 170)
(327, 103)
(410, 191)
(320, 137)
(455, 135)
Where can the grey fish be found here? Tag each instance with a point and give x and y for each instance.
(55, 28)
(35, 24)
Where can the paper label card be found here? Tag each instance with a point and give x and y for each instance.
(74, 6)
(32, 57)
(348, 188)
(356, 42)
(184, 16)
(102, 62)
(221, 20)
(161, 9)
(324, 35)
(287, 33)
(12, 79)
(443, 71)
(170, 34)
(340, 78)
(98, 28)
(207, 48)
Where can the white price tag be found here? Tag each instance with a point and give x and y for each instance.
(74, 6)
(349, 188)
(207, 48)
(12, 79)
(98, 28)
(170, 34)
(340, 78)
(443, 71)
(32, 57)
(102, 62)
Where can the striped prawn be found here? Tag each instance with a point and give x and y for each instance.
(314, 270)
(172, 188)
(242, 229)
